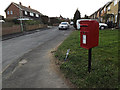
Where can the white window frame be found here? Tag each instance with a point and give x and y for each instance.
(8, 12)
(108, 8)
(26, 13)
(115, 2)
(101, 19)
(11, 12)
(37, 15)
(31, 14)
(104, 9)
(115, 18)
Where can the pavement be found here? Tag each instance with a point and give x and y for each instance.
(35, 68)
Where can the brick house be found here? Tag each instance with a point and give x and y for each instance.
(15, 10)
(110, 12)
(113, 10)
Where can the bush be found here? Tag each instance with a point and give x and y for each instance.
(33, 22)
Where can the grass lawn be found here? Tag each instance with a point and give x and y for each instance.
(104, 73)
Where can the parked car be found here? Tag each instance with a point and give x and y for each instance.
(71, 23)
(102, 26)
(63, 25)
(2, 21)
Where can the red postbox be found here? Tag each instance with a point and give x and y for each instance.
(89, 34)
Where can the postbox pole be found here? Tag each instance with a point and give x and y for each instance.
(89, 59)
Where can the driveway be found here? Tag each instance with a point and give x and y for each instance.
(32, 51)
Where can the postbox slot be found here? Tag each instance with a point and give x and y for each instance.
(83, 25)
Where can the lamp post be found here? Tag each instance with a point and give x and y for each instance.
(21, 24)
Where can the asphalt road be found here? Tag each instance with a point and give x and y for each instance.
(33, 50)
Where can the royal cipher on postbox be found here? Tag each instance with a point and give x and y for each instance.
(89, 33)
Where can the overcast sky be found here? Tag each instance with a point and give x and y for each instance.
(53, 8)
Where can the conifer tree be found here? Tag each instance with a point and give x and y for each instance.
(76, 17)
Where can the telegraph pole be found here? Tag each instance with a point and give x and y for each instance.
(21, 24)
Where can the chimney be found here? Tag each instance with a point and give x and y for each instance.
(29, 6)
(20, 3)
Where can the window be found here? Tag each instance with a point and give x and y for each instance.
(31, 14)
(104, 9)
(115, 18)
(11, 12)
(101, 20)
(8, 12)
(37, 15)
(26, 13)
(109, 8)
(115, 2)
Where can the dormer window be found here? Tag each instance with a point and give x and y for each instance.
(31, 14)
(8, 12)
(26, 13)
(109, 8)
(37, 15)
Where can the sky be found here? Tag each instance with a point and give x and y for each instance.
(55, 8)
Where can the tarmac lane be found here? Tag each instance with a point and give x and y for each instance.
(33, 69)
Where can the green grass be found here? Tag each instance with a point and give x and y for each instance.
(104, 73)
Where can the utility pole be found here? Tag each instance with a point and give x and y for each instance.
(21, 24)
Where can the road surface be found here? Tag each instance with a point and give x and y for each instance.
(33, 50)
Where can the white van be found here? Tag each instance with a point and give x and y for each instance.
(78, 22)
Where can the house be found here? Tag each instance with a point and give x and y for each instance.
(15, 10)
(93, 16)
(113, 12)
(110, 12)
(54, 20)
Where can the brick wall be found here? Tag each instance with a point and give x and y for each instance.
(33, 27)
(11, 30)
(17, 28)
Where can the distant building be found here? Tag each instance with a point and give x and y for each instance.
(54, 20)
(18, 10)
(113, 10)
(1, 17)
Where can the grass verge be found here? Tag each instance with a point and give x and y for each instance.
(104, 73)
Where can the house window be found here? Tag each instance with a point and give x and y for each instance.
(26, 13)
(115, 18)
(115, 2)
(101, 20)
(11, 12)
(37, 15)
(109, 8)
(104, 9)
(8, 12)
(31, 14)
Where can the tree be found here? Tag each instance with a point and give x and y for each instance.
(86, 17)
(76, 17)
